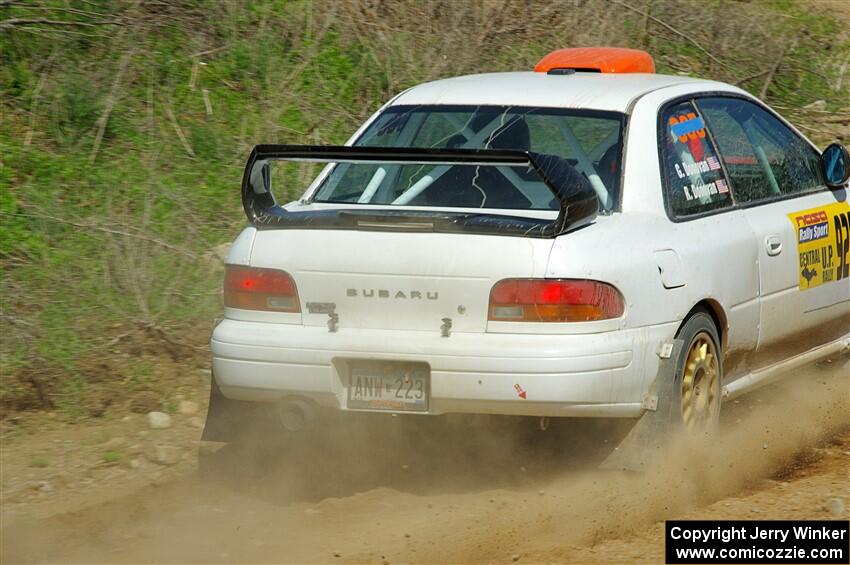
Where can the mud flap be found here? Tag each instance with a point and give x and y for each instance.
(649, 436)
(231, 420)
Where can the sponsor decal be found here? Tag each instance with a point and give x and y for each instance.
(813, 232)
(823, 244)
(520, 392)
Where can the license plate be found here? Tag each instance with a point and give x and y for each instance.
(397, 387)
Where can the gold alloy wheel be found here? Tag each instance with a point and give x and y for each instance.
(700, 384)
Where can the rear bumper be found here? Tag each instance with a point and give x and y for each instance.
(590, 375)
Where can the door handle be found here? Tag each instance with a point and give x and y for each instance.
(773, 243)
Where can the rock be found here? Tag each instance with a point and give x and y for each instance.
(816, 105)
(540, 492)
(836, 507)
(764, 446)
(43, 486)
(515, 557)
(337, 554)
(159, 420)
(163, 454)
(755, 509)
(135, 463)
(187, 407)
(196, 422)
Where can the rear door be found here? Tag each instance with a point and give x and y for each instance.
(712, 232)
(775, 176)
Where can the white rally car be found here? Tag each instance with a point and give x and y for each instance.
(589, 239)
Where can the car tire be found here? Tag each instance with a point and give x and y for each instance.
(695, 396)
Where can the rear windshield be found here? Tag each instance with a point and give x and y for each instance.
(590, 141)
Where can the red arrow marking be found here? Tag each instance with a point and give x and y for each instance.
(519, 391)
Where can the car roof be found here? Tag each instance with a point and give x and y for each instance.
(597, 91)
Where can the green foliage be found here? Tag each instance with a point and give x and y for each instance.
(39, 463)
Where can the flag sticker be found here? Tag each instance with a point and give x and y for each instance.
(712, 163)
(722, 188)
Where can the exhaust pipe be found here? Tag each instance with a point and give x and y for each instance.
(296, 414)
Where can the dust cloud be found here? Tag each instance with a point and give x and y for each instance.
(378, 488)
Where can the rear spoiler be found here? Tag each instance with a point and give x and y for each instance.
(578, 200)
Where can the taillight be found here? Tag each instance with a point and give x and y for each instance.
(251, 288)
(554, 300)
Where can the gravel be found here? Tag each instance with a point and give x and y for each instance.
(836, 507)
(163, 454)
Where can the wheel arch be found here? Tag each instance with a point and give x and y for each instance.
(715, 311)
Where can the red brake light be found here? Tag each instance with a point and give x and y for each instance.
(251, 288)
(554, 300)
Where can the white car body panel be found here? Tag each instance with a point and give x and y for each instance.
(598, 91)
(663, 269)
(426, 278)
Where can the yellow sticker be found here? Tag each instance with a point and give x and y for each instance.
(823, 244)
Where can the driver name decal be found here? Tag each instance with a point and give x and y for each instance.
(823, 244)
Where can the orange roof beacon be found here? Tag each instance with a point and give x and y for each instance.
(597, 59)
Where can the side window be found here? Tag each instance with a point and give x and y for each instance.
(763, 157)
(695, 181)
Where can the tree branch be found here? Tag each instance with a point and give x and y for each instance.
(775, 68)
(110, 103)
(155, 241)
(676, 31)
(15, 22)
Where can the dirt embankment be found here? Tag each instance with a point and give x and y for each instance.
(376, 490)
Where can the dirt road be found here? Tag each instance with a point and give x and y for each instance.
(374, 492)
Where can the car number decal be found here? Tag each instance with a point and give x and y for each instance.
(823, 244)
(689, 129)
